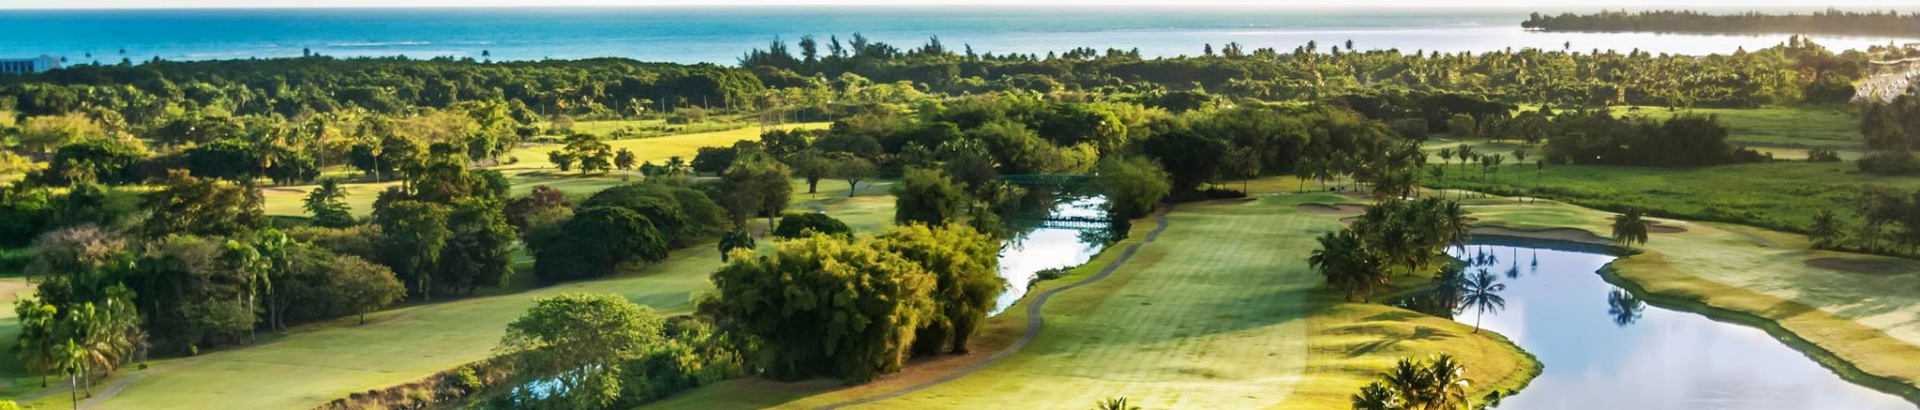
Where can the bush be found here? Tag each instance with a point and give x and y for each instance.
(1822, 155)
(1889, 163)
(799, 225)
(1411, 128)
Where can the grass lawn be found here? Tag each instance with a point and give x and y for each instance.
(13, 379)
(1863, 318)
(1778, 195)
(1220, 312)
(533, 169)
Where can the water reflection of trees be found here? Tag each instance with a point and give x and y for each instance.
(1624, 307)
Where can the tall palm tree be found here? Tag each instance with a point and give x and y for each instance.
(1412, 381)
(1630, 228)
(1349, 264)
(1449, 382)
(623, 160)
(1483, 295)
(677, 166)
(72, 360)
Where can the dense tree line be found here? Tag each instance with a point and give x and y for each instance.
(1830, 21)
(603, 352)
(1788, 73)
(1600, 138)
(1892, 131)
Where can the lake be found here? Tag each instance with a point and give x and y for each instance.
(1604, 350)
(722, 34)
(1037, 244)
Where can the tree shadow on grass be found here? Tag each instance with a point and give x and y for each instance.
(1419, 333)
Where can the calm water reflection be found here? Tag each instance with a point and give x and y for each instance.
(1604, 349)
(1038, 246)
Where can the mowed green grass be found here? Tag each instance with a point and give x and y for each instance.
(533, 169)
(1779, 195)
(1867, 317)
(13, 374)
(1220, 312)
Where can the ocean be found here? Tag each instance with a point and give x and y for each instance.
(721, 34)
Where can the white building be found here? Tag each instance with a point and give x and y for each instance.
(28, 65)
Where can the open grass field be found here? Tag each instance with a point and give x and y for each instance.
(1779, 195)
(1861, 316)
(533, 169)
(1219, 312)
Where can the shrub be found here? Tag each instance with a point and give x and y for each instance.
(798, 225)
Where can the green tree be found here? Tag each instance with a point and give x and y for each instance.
(880, 302)
(1133, 186)
(757, 184)
(1630, 228)
(581, 340)
(967, 283)
(624, 161)
(798, 225)
(416, 232)
(595, 242)
(1349, 264)
(326, 203)
(929, 197)
(1826, 230)
(479, 247)
(852, 169)
(185, 204)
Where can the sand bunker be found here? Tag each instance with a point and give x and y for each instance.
(1866, 266)
(1558, 234)
(1656, 227)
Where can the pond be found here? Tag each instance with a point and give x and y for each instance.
(1049, 240)
(1605, 349)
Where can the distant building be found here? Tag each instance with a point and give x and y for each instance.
(28, 65)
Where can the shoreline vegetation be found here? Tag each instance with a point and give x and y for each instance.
(1830, 22)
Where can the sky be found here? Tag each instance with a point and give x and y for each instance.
(1426, 4)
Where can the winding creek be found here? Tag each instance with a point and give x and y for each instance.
(1036, 244)
(1604, 349)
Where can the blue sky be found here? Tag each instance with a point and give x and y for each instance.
(1562, 4)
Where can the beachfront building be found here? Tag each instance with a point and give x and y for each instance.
(28, 65)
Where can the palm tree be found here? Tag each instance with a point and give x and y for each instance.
(1117, 403)
(1624, 307)
(1348, 263)
(677, 166)
(1630, 228)
(1446, 155)
(1411, 380)
(738, 239)
(1825, 230)
(624, 161)
(1448, 379)
(72, 360)
(1483, 296)
(1377, 396)
(245, 258)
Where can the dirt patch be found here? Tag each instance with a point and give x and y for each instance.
(1558, 234)
(1655, 227)
(1863, 266)
(1334, 209)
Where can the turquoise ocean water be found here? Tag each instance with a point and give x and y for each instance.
(720, 35)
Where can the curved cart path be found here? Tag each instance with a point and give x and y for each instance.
(1035, 322)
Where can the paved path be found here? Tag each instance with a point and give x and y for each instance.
(1034, 324)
